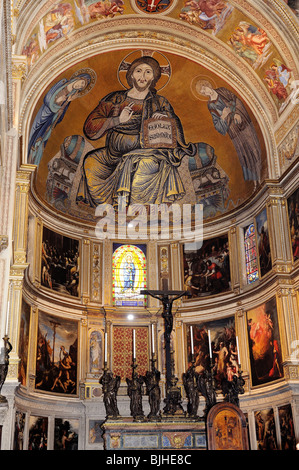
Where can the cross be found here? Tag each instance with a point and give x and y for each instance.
(167, 298)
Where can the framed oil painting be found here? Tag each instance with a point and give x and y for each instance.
(223, 348)
(207, 270)
(95, 352)
(287, 429)
(66, 434)
(20, 419)
(264, 344)
(60, 263)
(293, 212)
(95, 432)
(263, 242)
(56, 355)
(38, 433)
(24, 342)
(265, 430)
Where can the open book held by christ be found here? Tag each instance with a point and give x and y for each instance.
(160, 133)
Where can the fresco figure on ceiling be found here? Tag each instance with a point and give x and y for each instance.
(231, 117)
(277, 79)
(130, 165)
(52, 112)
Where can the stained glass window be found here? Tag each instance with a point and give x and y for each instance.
(250, 254)
(129, 275)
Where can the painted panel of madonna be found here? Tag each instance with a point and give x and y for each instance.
(264, 343)
(60, 263)
(56, 355)
(222, 347)
(207, 270)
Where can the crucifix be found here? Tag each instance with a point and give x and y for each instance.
(167, 298)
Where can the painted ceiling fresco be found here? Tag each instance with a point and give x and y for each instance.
(219, 18)
(191, 139)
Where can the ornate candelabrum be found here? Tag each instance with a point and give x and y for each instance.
(231, 389)
(152, 380)
(173, 400)
(4, 366)
(135, 393)
(207, 387)
(110, 386)
(190, 379)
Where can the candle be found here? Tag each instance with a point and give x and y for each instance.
(106, 346)
(191, 339)
(134, 345)
(237, 341)
(153, 339)
(210, 348)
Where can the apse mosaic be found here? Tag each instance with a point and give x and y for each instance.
(264, 343)
(168, 143)
(129, 273)
(56, 355)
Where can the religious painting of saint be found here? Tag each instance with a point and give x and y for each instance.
(66, 434)
(293, 213)
(95, 431)
(251, 43)
(97, 10)
(209, 15)
(24, 342)
(95, 352)
(263, 242)
(277, 78)
(38, 433)
(56, 356)
(60, 263)
(265, 430)
(264, 344)
(222, 346)
(129, 275)
(58, 23)
(20, 420)
(287, 430)
(207, 270)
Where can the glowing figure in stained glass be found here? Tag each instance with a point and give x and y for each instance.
(250, 254)
(129, 275)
